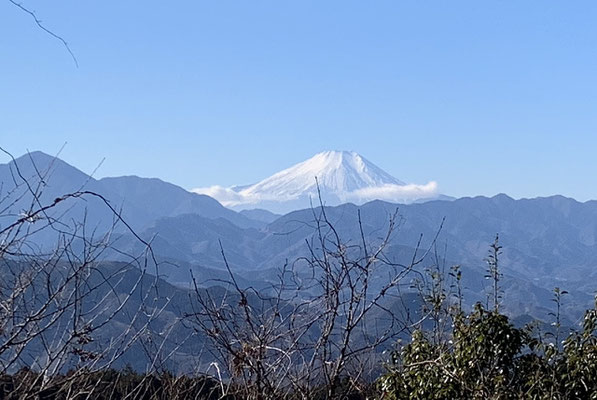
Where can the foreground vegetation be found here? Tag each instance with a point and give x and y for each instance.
(483, 356)
(452, 354)
(68, 321)
(487, 358)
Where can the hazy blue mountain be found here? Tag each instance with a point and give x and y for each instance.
(160, 199)
(50, 178)
(140, 200)
(548, 242)
(195, 239)
(259, 214)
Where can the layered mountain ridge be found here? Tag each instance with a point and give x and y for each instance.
(141, 200)
(547, 242)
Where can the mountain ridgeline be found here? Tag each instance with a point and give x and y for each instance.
(547, 242)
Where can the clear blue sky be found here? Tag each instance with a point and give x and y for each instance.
(481, 96)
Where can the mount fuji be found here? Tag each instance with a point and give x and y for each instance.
(342, 177)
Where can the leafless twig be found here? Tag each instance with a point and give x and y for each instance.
(41, 26)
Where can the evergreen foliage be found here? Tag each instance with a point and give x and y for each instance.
(483, 356)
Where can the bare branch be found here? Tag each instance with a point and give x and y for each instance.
(40, 25)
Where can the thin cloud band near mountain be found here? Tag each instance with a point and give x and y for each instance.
(388, 192)
(342, 177)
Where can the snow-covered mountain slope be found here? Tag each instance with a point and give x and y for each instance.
(336, 172)
(342, 177)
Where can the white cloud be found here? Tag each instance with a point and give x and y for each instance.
(394, 193)
(226, 196)
(389, 192)
(231, 198)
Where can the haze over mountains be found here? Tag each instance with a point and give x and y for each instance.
(343, 177)
(547, 241)
(142, 200)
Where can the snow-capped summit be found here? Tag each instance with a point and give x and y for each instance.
(336, 172)
(342, 177)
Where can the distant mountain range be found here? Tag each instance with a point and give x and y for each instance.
(142, 200)
(342, 177)
(547, 242)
